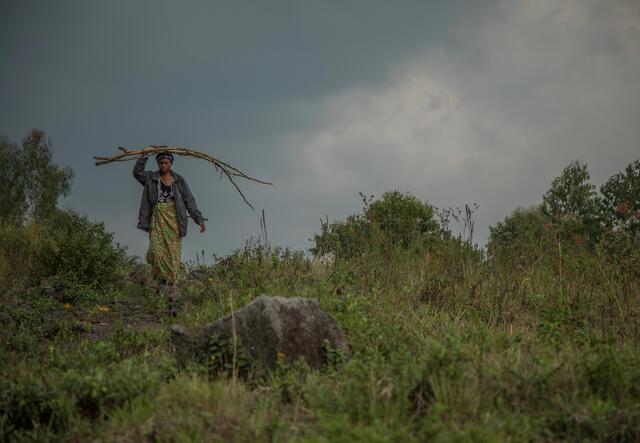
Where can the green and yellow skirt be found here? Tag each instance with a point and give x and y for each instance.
(165, 243)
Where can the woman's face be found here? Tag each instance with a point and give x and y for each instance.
(164, 165)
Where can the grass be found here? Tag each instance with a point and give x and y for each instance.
(447, 345)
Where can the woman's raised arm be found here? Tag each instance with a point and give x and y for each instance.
(138, 170)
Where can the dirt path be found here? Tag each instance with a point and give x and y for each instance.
(133, 315)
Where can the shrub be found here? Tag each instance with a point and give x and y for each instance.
(573, 213)
(620, 200)
(68, 244)
(395, 219)
(343, 239)
(107, 387)
(27, 405)
(84, 251)
(402, 217)
(20, 248)
(518, 232)
(260, 268)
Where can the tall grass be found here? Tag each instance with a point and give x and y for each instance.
(20, 254)
(448, 343)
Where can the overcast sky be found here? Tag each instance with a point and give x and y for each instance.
(456, 102)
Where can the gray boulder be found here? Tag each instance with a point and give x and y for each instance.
(268, 330)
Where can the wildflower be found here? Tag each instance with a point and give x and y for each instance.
(67, 306)
(104, 309)
(280, 357)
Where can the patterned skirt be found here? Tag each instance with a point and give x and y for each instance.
(165, 242)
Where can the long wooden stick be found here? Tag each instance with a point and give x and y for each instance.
(224, 168)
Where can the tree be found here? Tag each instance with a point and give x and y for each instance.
(30, 182)
(12, 185)
(571, 194)
(572, 202)
(620, 200)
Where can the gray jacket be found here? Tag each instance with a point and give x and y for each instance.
(183, 197)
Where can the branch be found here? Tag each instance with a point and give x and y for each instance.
(225, 168)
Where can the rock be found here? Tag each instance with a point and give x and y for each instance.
(52, 287)
(198, 274)
(269, 330)
(138, 274)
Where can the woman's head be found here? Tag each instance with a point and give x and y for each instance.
(165, 160)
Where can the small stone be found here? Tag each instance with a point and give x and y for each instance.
(198, 274)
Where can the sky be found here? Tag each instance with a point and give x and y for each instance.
(456, 102)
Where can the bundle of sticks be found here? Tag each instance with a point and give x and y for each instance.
(223, 168)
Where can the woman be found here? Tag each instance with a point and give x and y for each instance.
(166, 199)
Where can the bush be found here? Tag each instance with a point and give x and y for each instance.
(343, 239)
(522, 226)
(105, 388)
(261, 268)
(574, 217)
(402, 217)
(84, 251)
(20, 248)
(620, 200)
(29, 406)
(395, 219)
(520, 234)
(68, 245)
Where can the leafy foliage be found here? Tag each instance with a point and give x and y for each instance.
(20, 253)
(518, 231)
(67, 245)
(401, 216)
(84, 251)
(572, 202)
(396, 218)
(30, 184)
(620, 200)
(571, 194)
(36, 238)
(225, 357)
(572, 211)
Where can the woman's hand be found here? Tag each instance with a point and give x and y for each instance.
(202, 227)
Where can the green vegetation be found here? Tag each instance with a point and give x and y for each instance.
(396, 218)
(533, 339)
(66, 246)
(30, 184)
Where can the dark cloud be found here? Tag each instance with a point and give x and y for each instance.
(456, 103)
